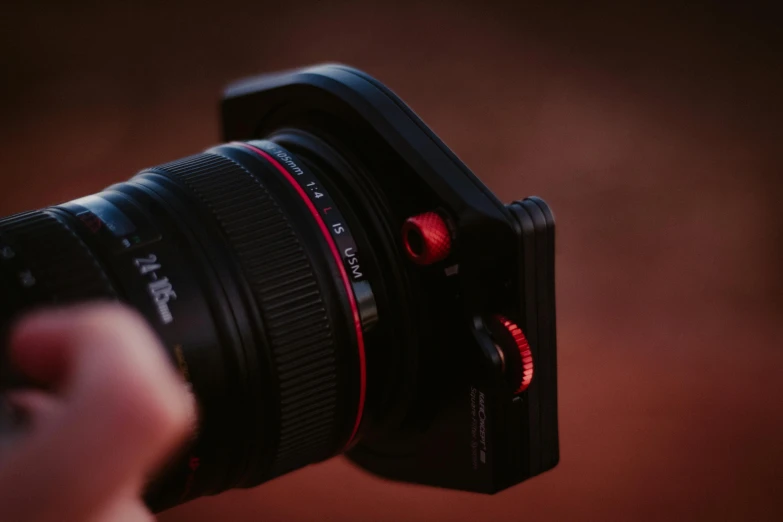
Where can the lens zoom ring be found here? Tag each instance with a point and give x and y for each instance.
(284, 284)
(61, 264)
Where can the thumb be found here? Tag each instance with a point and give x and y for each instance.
(123, 409)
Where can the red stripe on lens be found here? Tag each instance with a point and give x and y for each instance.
(343, 274)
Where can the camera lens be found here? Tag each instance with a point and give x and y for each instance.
(267, 279)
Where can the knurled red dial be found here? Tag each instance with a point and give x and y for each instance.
(518, 357)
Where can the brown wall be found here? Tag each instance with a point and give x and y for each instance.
(654, 133)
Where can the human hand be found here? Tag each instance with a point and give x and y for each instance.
(110, 409)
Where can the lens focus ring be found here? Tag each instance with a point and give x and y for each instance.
(285, 288)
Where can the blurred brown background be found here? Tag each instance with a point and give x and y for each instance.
(654, 132)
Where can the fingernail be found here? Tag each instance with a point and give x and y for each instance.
(14, 422)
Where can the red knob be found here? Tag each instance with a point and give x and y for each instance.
(426, 238)
(516, 352)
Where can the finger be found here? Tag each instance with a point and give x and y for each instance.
(124, 409)
(23, 411)
(36, 407)
(38, 348)
(127, 509)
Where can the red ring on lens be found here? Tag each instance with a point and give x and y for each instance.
(343, 275)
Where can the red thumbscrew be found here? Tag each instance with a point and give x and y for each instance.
(426, 238)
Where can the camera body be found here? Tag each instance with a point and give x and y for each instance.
(472, 412)
(331, 280)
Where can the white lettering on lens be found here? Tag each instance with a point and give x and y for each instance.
(353, 262)
(285, 158)
(473, 428)
(147, 264)
(162, 292)
(338, 228)
(27, 279)
(159, 288)
(482, 415)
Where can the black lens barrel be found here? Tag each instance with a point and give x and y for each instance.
(40, 252)
(225, 257)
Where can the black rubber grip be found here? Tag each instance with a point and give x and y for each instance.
(283, 282)
(51, 260)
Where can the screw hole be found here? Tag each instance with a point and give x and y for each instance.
(415, 242)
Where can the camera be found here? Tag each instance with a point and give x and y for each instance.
(331, 279)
